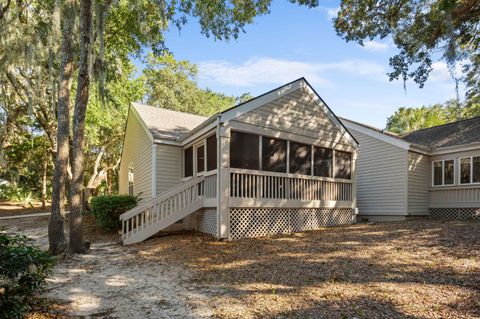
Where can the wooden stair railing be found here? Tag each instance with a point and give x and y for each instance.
(149, 218)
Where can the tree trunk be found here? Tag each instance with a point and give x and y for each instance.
(81, 99)
(56, 234)
(44, 183)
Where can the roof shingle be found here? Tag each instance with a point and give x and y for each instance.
(167, 124)
(452, 134)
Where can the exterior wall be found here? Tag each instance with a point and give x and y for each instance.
(418, 165)
(137, 153)
(457, 195)
(169, 166)
(381, 177)
(295, 116)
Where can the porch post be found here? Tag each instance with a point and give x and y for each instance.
(354, 184)
(223, 208)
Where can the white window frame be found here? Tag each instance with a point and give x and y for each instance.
(195, 148)
(471, 171)
(130, 173)
(443, 172)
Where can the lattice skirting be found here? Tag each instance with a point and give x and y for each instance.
(255, 222)
(207, 221)
(455, 213)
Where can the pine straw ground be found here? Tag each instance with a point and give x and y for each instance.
(417, 269)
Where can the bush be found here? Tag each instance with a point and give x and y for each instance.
(23, 272)
(17, 194)
(108, 208)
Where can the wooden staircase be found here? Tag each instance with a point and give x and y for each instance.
(150, 217)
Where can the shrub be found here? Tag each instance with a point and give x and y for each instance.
(23, 272)
(108, 208)
(17, 194)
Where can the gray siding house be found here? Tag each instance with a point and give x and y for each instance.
(279, 163)
(431, 172)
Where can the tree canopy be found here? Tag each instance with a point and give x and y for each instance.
(173, 85)
(423, 31)
(408, 119)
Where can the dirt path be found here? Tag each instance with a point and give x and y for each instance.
(112, 281)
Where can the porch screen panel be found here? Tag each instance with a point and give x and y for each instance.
(244, 151)
(200, 158)
(343, 165)
(188, 162)
(448, 172)
(464, 171)
(300, 158)
(211, 153)
(274, 155)
(322, 162)
(476, 169)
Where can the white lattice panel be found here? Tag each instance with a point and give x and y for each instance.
(255, 222)
(207, 221)
(455, 213)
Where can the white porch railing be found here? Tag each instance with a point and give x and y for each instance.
(269, 185)
(152, 216)
(210, 185)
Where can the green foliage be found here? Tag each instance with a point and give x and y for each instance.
(23, 272)
(422, 31)
(408, 119)
(13, 193)
(108, 208)
(173, 85)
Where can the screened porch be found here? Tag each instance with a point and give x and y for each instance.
(264, 171)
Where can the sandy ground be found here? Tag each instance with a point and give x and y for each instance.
(417, 269)
(111, 281)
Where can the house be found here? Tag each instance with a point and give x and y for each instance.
(279, 163)
(431, 172)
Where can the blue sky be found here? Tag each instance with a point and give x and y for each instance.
(294, 41)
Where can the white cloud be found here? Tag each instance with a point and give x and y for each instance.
(267, 70)
(375, 46)
(331, 12)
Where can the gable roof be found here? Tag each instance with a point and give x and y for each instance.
(176, 126)
(281, 91)
(380, 134)
(165, 124)
(447, 135)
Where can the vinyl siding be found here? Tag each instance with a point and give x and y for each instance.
(457, 195)
(137, 152)
(169, 165)
(417, 184)
(296, 114)
(381, 177)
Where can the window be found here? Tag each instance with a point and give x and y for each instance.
(476, 169)
(470, 170)
(448, 168)
(443, 172)
(322, 162)
(465, 170)
(300, 158)
(200, 158)
(244, 151)
(130, 181)
(437, 173)
(188, 162)
(211, 153)
(274, 155)
(343, 165)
